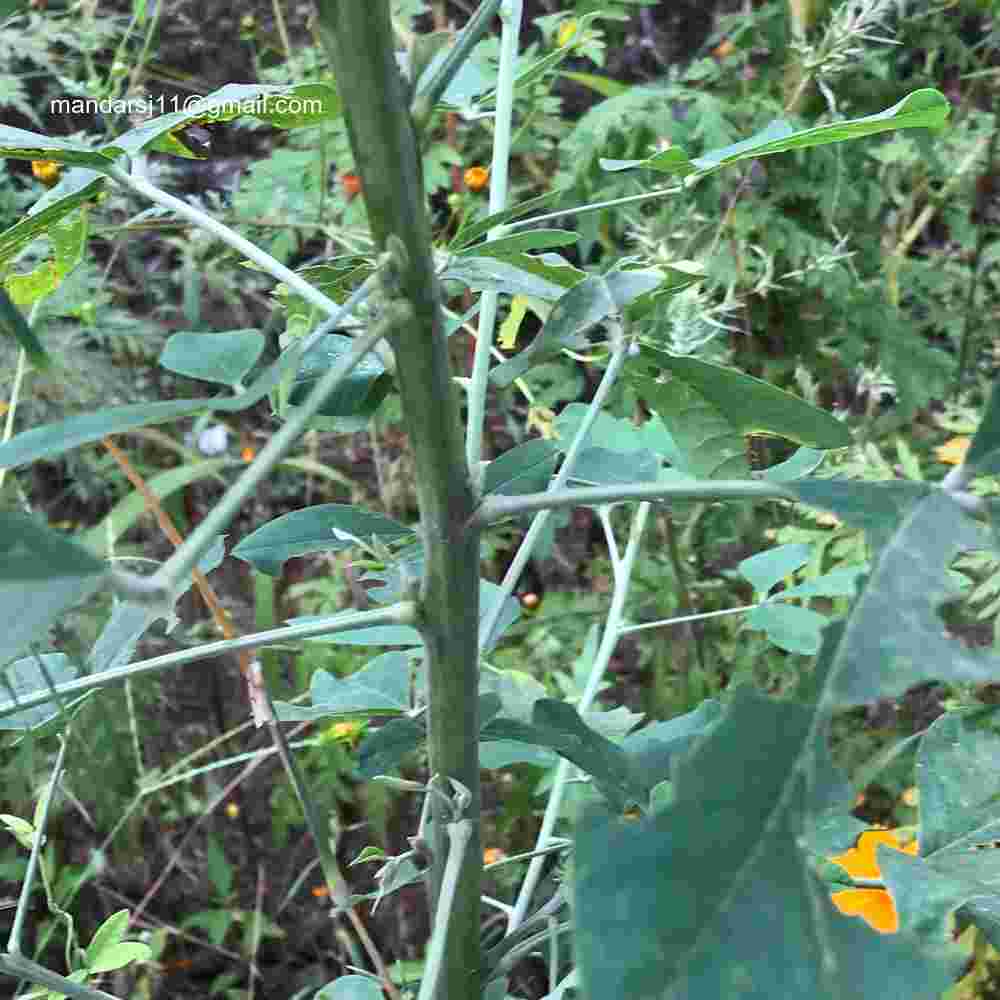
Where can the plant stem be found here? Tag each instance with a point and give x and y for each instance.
(222, 232)
(359, 41)
(403, 613)
(523, 554)
(479, 383)
(622, 568)
(500, 508)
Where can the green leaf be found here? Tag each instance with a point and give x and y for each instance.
(13, 325)
(77, 187)
(314, 529)
(804, 461)
(602, 85)
(109, 934)
(68, 236)
(42, 573)
(380, 687)
(351, 988)
(532, 239)
(713, 896)
(288, 106)
(586, 304)
(895, 637)
(213, 357)
(794, 629)
(504, 275)
(359, 395)
(120, 955)
(709, 446)
(469, 234)
(55, 439)
(20, 144)
(26, 677)
(925, 108)
(770, 567)
(983, 456)
(558, 726)
(750, 405)
(526, 468)
(383, 750)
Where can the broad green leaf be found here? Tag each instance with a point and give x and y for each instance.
(110, 933)
(983, 456)
(14, 325)
(68, 236)
(654, 749)
(213, 357)
(925, 108)
(713, 896)
(489, 594)
(130, 508)
(770, 567)
(76, 188)
(586, 304)
(55, 439)
(895, 637)
(359, 395)
(750, 405)
(789, 627)
(288, 106)
(526, 468)
(313, 529)
(558, 727)
(601, 467)
(42, 573)
(381, 687)
(709, 446)
(519, 243)
(351, 988)
(382, 750)
(493, 274)
(20, 144)
(373, 635)
(120, 955)
(841, 581)
(26, 677)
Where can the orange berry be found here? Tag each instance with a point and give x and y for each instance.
(47, 171)
(530, 601)
(493, 854)
(351, 183)
(723, 49)
(476, 178)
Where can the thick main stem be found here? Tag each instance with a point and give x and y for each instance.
(358, 39)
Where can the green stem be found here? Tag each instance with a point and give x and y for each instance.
(358, 38)
(622, 569)
(479, 383)
(500, 508)
(527, 546)
(221, 232)
(403, 613)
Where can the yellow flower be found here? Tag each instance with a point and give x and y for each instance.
(566, 32)
(232, 810)
(875, 906)
(47, 171)
(953, 452)
(476, 178)
(342, 732)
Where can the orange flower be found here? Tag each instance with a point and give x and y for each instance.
(476, 178)
(723, 49)
(47, 171)
(493, 854)
(875, 906)
(351, 183)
